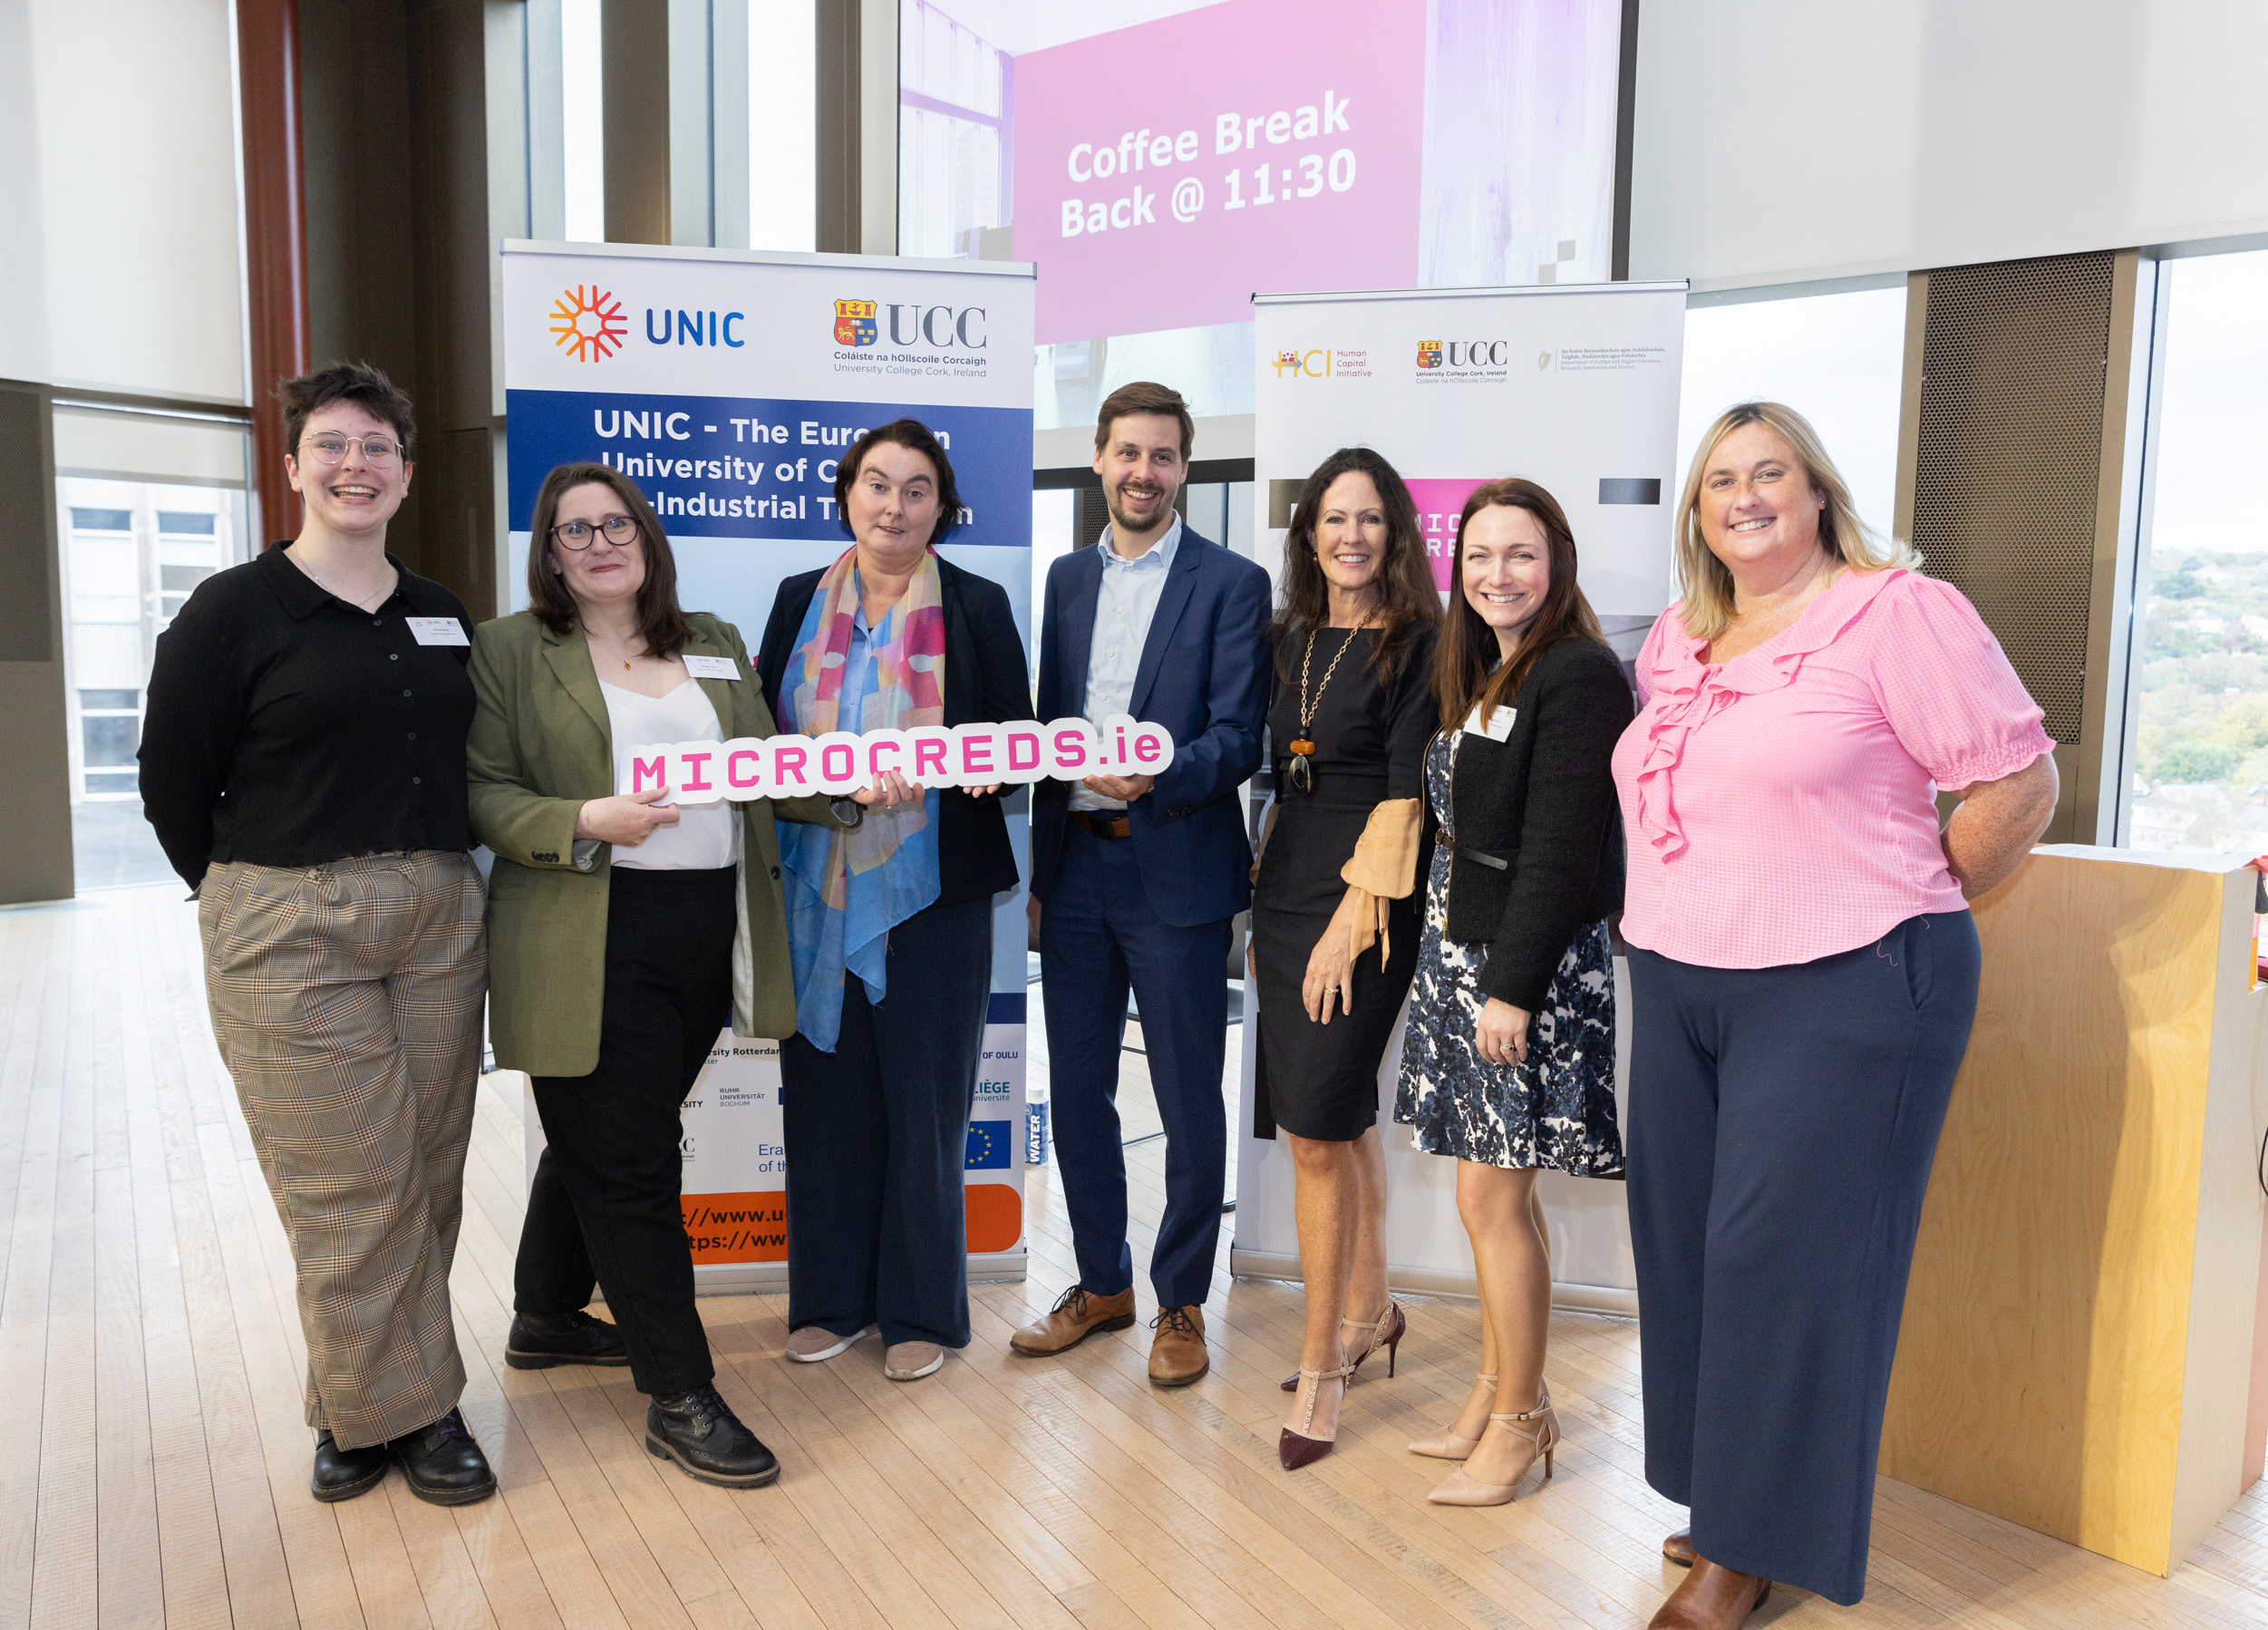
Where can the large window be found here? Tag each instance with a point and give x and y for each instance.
(1837, 359)
(2197, 741)
(150, 505)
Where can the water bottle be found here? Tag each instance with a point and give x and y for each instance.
(1034, 1122)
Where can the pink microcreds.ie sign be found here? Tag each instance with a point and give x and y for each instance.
(1440, 504)
(1166, 171)
(1015, 753)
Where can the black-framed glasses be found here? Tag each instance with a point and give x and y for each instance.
(378, 451)
(580, 534)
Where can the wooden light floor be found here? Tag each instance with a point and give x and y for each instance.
(153, 1465)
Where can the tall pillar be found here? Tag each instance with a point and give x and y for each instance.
(35, 862)
(275, 239)
(858, 126)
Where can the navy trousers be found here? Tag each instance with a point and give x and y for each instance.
(877, 1135)
(1782, 1123)
(1099, 936)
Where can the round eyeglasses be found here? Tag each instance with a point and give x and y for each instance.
(377, 451)
(580, 534)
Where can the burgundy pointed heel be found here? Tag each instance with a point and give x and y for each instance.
(1297, 1448)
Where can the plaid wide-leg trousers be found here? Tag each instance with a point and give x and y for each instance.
(346, 999)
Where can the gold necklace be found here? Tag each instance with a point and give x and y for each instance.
(1300, 774)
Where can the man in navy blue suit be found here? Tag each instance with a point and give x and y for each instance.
(1136, 879)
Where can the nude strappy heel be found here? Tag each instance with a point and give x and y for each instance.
(1448, 1445)
(1297, 1448)
(1539, 1427)
(1386, 1331)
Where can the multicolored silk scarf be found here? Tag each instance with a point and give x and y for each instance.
(846, 890)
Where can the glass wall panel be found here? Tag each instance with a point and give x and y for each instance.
(149, 507)
(2197, 746)
(1837, 359)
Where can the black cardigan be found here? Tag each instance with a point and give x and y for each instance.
(1543, 801)
(986, 682)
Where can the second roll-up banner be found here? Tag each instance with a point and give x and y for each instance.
(726, 384)
(1576, 387)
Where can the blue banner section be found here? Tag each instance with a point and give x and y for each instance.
(761, 467)
(989, 1145)
(1007, 1008)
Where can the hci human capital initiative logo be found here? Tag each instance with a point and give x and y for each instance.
(853, 322)
(587, 324)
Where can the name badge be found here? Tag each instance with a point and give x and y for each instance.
(437, 631)
(1495, 728)
(712, 667)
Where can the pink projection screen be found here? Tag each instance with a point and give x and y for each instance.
(1161, 160)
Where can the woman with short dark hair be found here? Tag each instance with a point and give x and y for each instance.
(1334, 936)
(624, 934)
(303, 762)
(893, 950)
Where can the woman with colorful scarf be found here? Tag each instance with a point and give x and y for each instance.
(892, 952)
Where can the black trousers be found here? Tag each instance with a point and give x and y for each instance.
(1782, 1123)
(877, 1135)
(604, 1208)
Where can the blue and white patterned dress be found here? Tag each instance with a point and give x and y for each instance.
(1558, 1109)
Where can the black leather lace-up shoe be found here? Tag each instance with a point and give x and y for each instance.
(343, 1473)
(443, 1464)
(699, 1431)
(538, 1341)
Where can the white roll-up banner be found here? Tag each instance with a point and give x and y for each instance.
(1573, 386)
(726, 384)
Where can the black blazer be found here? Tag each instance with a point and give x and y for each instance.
(1542, 801)
(986, 682)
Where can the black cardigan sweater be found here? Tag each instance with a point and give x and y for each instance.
(1542, 801)
(986, 682)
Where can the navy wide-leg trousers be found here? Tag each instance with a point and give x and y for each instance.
(1782, 1124)
(878, 1136)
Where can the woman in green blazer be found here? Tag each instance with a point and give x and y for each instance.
(624, 933)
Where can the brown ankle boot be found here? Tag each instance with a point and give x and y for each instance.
(1711, 1598)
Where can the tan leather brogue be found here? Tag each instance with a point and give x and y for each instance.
(1176, 1353)
(1075, 1316)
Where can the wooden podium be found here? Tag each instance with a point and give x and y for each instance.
(2079, 1353)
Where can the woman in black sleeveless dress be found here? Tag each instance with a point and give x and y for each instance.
(1334, 924)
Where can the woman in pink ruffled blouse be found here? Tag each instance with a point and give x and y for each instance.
(1804, 972)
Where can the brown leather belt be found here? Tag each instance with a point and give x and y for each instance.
(1445, 838)
(1103, 825)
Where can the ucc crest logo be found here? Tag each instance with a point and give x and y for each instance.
(1428, 354)
(853, 322)
(587, 324)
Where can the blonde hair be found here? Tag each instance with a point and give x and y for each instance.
(1706, 607)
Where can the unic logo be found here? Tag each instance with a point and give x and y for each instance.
(1428, 354)
(853, 322)
(587, 324)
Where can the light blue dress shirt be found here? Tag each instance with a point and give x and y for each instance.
(1124, 607)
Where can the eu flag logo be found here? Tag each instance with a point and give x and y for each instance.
(988, 1146)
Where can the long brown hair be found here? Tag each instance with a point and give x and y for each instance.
(661, 624)
(1468, 650)
(1406, 599)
